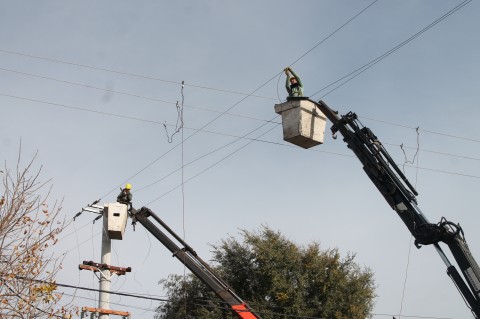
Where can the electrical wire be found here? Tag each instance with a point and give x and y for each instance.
(278, 82)
(266, 121)
(112, 303)
(179, 124)
(219, 302)
(445, 172)
(261, 86)
(250, 141)
(141, 296)
(325, 39)
(75, 231)
(316, 150)
(409, 316)
(147, 256)
(174, 82)
(119, 261)
(289, 145)
(224, 113)
(214, 164)
(80, 108)
(317, 46)
(128, 74)
(131, 94)
(193, 134)
(406, 277)
(221, 114)
(368, 65)
(364, 117)
(78, 251)
(335, 31)
(256, 139)
(117, 293)
(282, 144)
(259, 312)
(83, 242)
(27, 302)
(422, 130)
(362, 71)
(197, 304)
(436, 152)
(183, 204)
(406, 160)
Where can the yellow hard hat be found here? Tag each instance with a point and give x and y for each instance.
(128, 186)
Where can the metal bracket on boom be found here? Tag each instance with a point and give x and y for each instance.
(444, 231)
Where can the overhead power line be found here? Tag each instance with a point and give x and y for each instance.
(288, 145)
(177, 82)
(361, 69)
(30, 303)
(214, 164)
(79, 108)
(201, 108)
(88, 86)
(191, 135)
(128, 306)
(368, 65)
(118, 293)
(250, 94)
(146, 77)
(245, 145)
(220, 306)
(335, 31)
(222, 113)
(423, 130)
(245, 136)
(151, 298)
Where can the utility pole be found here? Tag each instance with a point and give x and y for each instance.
(104, 298)
(113, 227)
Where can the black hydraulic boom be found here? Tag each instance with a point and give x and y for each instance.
(193, 262)
(401, 196)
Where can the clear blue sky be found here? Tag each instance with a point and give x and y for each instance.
(97, 119)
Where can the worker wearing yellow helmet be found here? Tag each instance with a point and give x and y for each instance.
(125, 196)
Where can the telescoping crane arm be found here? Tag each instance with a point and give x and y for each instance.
(400, 195)
(193, 262)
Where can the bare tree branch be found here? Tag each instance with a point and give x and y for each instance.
(29, 228)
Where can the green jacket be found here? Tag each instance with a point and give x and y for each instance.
(296, 90)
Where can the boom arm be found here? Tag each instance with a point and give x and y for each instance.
(193, 262)
(400, 195)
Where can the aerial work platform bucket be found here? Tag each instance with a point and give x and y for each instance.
(117, 219)
(303, 123)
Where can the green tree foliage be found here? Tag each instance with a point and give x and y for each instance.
(275, 277)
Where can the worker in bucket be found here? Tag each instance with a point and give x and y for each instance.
(293, 84)
(125, 196)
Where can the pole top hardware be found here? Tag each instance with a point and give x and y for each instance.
(100, 311)
(93, 266)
